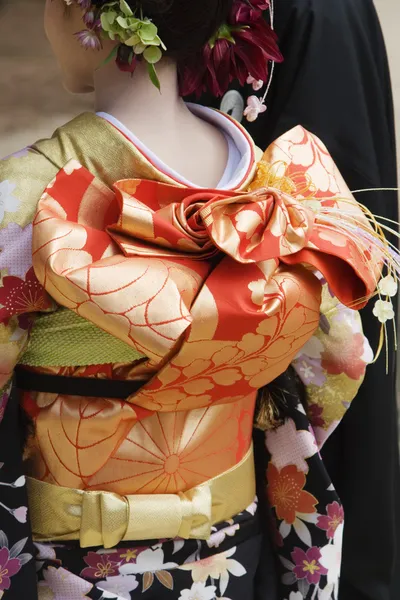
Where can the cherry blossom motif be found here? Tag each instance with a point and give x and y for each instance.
(383, 311)
(331, 521)
(255, 107)
(315, 413)
(388, 286)
(64, 584)
(307, 565)
(46, 552)
(127, 555)
(331, 559)
(289, 446)
(219, 566)
(120, 586)
(286, 494)
(8, 202)
(8, 567)
(148, 561)
(256, 84)
(312, 348)
(218, 537)
(199, 591)
(100, 566)
(307, 363)
(310, 370)
(348, 359)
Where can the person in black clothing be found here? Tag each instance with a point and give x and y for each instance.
(335, 82)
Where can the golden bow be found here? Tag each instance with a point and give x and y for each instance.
(105, 519)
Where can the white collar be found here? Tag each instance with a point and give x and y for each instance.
(240, 155)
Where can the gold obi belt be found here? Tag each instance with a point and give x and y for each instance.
(105, 519)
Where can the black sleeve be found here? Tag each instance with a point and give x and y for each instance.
(335, 82)
(18, 581)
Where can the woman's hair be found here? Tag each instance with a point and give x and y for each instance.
(184, 26)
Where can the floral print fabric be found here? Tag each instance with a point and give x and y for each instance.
(308, 515)
(223, 567)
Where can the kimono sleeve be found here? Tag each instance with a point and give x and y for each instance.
(332, 365)
(22, 180)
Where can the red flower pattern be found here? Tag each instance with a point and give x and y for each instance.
(286, 494)
(348, 359)
(331, 521)
(22, 295)
(242, 47)
(100, 566)
(308, 565)
(8, 568)
(315, 413)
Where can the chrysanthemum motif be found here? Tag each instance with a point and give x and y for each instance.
(240, 49)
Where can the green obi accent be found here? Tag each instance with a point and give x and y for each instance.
(64, 339)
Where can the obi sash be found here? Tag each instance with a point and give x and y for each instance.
(105, 519)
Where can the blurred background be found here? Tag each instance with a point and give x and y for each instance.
(32, 100)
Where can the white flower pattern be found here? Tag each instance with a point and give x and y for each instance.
(388, 286)
(148, 561)
(199, 591)
(383, 311)
(8, 202)
(118, 587)
(218, 567)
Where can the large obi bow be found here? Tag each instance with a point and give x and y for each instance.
(210, 285)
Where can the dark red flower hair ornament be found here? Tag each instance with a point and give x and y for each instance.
(241, 49)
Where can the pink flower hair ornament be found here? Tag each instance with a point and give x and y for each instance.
(241, 49)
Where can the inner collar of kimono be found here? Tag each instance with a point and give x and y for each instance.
(241, 151)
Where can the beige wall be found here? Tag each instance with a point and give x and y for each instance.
(389, 11)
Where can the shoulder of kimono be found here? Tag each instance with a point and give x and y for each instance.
(85, 138)
(24, 176)
(99, 147)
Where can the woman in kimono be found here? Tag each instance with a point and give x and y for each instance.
(166, 286)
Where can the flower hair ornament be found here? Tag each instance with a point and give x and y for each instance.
(242, 48)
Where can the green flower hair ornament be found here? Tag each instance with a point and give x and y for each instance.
(118, 22)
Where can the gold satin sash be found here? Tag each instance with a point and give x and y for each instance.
(105, 519)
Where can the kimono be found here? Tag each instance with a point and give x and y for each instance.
(140, 315)
(338, 46)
